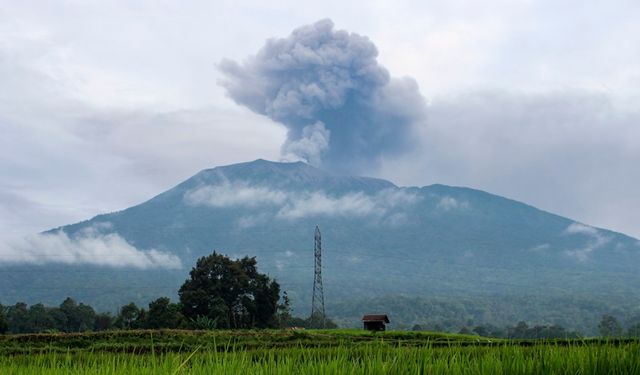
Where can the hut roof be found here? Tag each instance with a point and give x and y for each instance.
(375, 318)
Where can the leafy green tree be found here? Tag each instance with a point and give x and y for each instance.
(39, 319)
(68, 308)
(4, 325)
(18, 318)
(59, 319)
(163, 314)
(127, 316)
(140, 321)
(609, 326)
(103, 322)
(80, 317)
(231, 292)
(87, 317)
(285, 307)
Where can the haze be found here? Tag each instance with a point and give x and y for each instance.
(104, 106)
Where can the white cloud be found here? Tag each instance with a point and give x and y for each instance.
(295, 205)
(96, 92)
(351, 204)
(71, 124)
(447, 203)
(280, 265)
(251, 220)
(283, 260)
(573, 153)
(396, 219)
(230, 194)
(579, 228)
(540, 248)
(597, 240)
(90, 247)
(321, 204)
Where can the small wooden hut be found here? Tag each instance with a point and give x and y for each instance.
(375, 322)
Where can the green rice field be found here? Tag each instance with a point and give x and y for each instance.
(308, 352)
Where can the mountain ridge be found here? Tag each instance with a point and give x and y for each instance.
(382, 182)
(379, 239)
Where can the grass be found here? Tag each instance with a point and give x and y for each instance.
(159, 341)
(308, 352)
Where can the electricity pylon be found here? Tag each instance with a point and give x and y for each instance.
(317, 302)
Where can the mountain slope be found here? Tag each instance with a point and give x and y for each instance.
(378, 239)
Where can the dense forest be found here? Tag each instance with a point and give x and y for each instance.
(452, 313)
(221, 293)
(224, 293)
(71, 316)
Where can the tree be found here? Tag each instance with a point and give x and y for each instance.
(609, 326)
(140, 321)
(39, 319)
(103, 322)
(18, 318)
(127, 316)
(284, 311)
(163, 314)
(59, 319)
(80, 317)
(231, 292)
(4, 325)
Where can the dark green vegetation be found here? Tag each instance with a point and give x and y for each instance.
(70, 317)
(4, 325)
(230, 293)
(161, 314)
(435, 255)
(451, 314)
(220, 293)
(144, 341)
(302, 352)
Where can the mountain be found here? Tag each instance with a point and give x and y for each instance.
(384, 246)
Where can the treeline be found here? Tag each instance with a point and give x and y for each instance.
(220, 293)
(609, 327)
(68, 317)
(161, 314)
(451, 313)
(523, 331)
(73, 317)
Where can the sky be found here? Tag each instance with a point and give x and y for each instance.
(104, 105)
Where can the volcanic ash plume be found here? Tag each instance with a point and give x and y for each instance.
(341, 108)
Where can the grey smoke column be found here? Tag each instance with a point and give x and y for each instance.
(341, 108)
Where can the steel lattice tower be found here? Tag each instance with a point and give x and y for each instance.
(317, 302)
